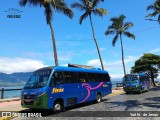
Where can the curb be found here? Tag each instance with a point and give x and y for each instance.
(9, 100)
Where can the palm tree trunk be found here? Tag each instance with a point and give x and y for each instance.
(96, 43)
(54, 45)
(122, 55)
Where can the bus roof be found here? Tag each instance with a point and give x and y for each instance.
(63, 68)
(140, 74)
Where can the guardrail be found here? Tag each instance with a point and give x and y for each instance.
(2, 91)
(119, 84)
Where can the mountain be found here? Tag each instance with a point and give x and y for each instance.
(20, 77)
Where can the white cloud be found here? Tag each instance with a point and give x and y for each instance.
(66, 56)
(115, 68)
(116, 76)
(10, 65)
(154, 50)
(102, 49)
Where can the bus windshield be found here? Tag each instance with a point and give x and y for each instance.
(38, 79)
(131, 78)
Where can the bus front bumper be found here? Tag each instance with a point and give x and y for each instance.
(131, 88)
(40, 102)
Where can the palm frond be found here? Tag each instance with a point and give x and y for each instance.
(127, 25)
(78, 5)
(150, 7)
(128, 34)
(96, 2)
(115, 40)
(152, 14)
(23, 2)
(84, 16)
(48, 12)
(61, 6)
(159, 18)
(31, 2)
(100, 12)
(110, 32)
(111, 27)
(114, 19)
(121, 20)
(84, 2)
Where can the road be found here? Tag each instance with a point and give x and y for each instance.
(147, 101)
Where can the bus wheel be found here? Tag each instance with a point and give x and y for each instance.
(98, 98)
(57, 107)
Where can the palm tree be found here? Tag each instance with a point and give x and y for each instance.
(89, 8)
(50, 6)
(119, 28)
(156, 10)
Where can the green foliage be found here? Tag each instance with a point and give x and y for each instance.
(148, 63)
(50, 7)
(89, 7)
(119, 28)
(155, 7)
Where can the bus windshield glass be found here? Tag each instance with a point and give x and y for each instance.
(131, 78)
(38, 79)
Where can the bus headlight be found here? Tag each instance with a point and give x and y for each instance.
(41, 94)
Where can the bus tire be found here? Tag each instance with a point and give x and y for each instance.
(57, 107)
(98, 98)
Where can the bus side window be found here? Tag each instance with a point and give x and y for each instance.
(107, 78)
(100, 77)
(70, 77)
(57, 78)
(82, 77)
(92, 77)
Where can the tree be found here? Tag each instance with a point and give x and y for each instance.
(49, 5)
(90, 7)
(148, 63)
(119, 28)
(156, 10)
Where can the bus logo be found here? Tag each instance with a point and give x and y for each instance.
(57, 90)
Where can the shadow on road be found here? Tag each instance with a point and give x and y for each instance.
(129, 104)
(49, 112)
(157, 88)
(152, 102)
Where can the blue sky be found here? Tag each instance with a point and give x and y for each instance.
(26, 42)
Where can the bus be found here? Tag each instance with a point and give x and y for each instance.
(136, 83)
(58, 87)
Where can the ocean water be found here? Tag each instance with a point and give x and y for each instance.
(17, 93)
(114, 83)
(11, 94)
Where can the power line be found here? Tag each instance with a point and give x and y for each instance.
(102, 38)
(147, 29)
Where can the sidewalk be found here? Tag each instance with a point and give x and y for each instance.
(10, 99)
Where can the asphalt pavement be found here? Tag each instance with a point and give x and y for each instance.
(135, 104)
